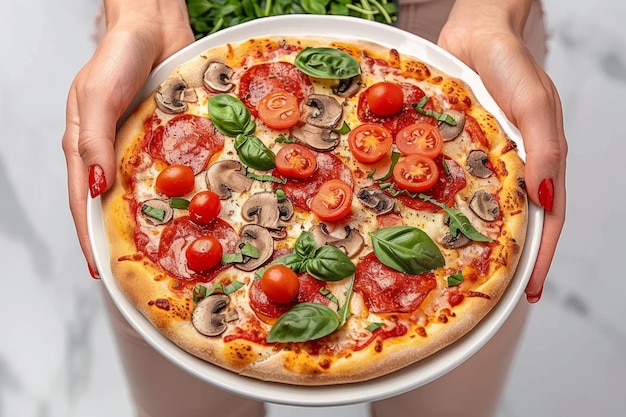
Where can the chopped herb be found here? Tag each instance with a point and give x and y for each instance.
(179, 203)
(446, 118)
(374, 326)
(155, 213)
(266, 178)
(344, 129)
(455, 279)
(201, 291)
(284, 139)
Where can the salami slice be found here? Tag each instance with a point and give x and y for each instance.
(386, 290)
(262, 79)
(187, 140)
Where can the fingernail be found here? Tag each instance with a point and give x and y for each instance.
(97, 182)
(94, 273)
(535, 297)
(546, 194)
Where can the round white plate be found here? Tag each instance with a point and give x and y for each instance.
(334, 395)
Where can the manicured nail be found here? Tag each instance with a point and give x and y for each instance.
(535, 297)
(546, 194)
(97, 182)
(94, 274)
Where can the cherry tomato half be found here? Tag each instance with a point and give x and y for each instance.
(295, 161)
(333, 201)
(280, 284)
(175, 180)
(370, 142)
(204, 207)
(279, 110)
(422, 138)
(385, 98)
(415, 173)
(203, 254)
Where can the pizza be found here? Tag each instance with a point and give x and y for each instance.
(313, 211)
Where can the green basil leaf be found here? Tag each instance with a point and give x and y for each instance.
(406, 249)
(292, 260)
(304, 322)
(374, 326)
(305, 245)
(446, 118)
(455, 279)
(330, 264)
(344, 310)
(253, 153)
(458, 222)
(154, 212)
(329, 63)
(230, 116)
(200, 291)
(179, 203)
(266, 178)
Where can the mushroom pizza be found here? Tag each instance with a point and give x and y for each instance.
(314, 211)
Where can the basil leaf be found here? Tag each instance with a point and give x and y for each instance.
(154, 212)
(253, 153)
(344, 310)
(200, 291)
(406, 249)
(458, 222)
(230, 116)
(395, 157)
(179, 203)
(455, 279)
(304, 322)
(305, 245)
(328, 63)
(292, 260)
(330, 264)
(374, 326)
(446, 118)
(266, 178)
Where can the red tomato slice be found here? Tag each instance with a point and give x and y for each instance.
(204, 207)
(279, 110)
(385, 98)
(422, 138)
(280, 284)
(416, 173)
(370, 142)
(333, 201)
(204, 253)
(175, 180)
(295, 161)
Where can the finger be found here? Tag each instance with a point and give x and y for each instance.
(77, 180)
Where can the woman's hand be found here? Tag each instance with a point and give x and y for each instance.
(487, 35)
(138, 36)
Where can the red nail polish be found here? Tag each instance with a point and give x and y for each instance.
(97, 182)
(94, 274)
(546, 194)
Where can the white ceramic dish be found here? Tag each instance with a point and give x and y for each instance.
(397, 382)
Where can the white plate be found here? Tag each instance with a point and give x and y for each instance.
(335, 395)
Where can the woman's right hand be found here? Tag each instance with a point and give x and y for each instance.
(138, 36)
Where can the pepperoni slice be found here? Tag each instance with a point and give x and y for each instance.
(300, 191)
(386, 290)
(262, 79)
(449, 183)
(187, 140)
(309, 292)
(406, 117)
(177, 235)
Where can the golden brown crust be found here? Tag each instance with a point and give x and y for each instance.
(445, 316)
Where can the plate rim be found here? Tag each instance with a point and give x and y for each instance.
(383, 387)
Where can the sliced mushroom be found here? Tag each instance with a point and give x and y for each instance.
(316, 137)
(376, 199)
(322, 111)
(347, 87)
(351, 243)
(454, 242)
(224, 177)
(485, 206)
(476, 164)
(173, 95)
(217, 77)
(265, 210)
(211, 316)
(156, 211)
(260, 238)
(450, 132)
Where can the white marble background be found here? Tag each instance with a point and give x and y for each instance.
(56, 356)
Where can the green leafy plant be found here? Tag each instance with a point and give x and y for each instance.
(209, 16)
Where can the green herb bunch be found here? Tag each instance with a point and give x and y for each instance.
(209, 16)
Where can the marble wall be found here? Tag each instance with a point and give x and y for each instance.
(56, 355)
